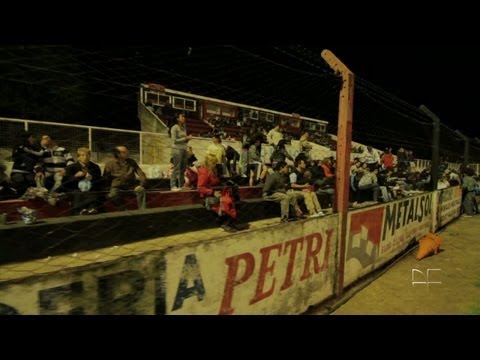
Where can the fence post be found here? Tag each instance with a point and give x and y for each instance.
(466, 149)
(344, 143)
(25, 125)
(435, 146)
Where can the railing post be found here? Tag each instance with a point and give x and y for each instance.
(90, 145)
(141, 149)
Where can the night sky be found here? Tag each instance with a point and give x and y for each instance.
(439, 76)
(98, 84)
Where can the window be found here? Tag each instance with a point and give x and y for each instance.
(184, 104)
(151, 97)
(190, 105)
(220, 109)
(178, 103)
(228, 111)
(163, 99)
(254, 114)
(213, 109)
(155, 98)
(270, 118)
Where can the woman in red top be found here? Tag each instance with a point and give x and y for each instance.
(219, 202)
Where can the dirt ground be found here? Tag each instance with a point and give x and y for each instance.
(458, 294)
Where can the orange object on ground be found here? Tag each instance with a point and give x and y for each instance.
(429, 244)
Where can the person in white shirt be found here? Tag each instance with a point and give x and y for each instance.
(370, 156)
(274, 136)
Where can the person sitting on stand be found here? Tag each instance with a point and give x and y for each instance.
(222, 204)
(83, 181)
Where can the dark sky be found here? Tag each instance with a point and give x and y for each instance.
(98, 84)
(439, 76)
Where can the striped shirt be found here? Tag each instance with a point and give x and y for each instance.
(56, 159)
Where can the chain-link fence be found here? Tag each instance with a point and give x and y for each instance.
(145, 148)
(68, 247)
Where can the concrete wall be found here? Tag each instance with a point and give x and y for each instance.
(449, 203)
(378, 234)
(278, 269)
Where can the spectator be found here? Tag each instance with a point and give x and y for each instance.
(370, 156)
(83, 180)
(25, 158)
(222, 204)
(275, 190)
(274, 136)
(179, 153)
(120, 175)
(300, 186)
(468, 186)
(218, 150)
(387, 159)
(6, 187)
(54, 161)
(191, 173)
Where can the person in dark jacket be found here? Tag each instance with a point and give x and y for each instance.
(275, 190)
(25, 158)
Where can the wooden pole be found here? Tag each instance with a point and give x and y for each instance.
(344, 140)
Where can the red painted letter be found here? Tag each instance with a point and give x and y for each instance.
(264, 269)
(312, 254)
(327, 251)
(291, 261)
(231, 282)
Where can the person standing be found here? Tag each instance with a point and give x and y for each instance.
(179, 153)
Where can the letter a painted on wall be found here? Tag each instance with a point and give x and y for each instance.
(190, 271)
